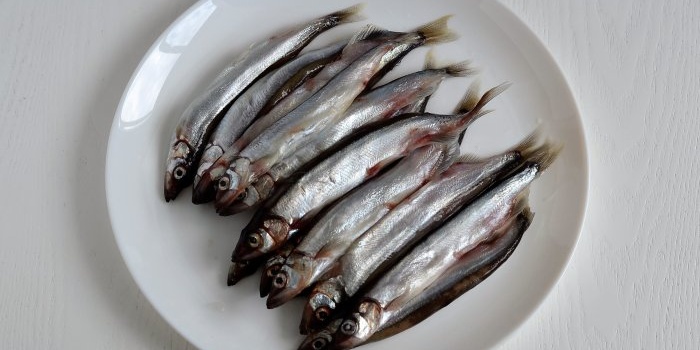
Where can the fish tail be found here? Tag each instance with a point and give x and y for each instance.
(461, 69)
(470, 99)
(471, 105)
(530, 145)
(543, 155)
(437, 32)
(526, 217)
(349, 15)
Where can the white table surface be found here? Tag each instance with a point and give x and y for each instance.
(633, 281)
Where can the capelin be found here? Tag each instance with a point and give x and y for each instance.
(250, 200)
(257, 240)
(231, 185)
(204, 190)
(322, 305)
(322, 339)
(290, 280)
(177, 171)
(356, 329)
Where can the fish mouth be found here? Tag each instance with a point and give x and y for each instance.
(204, 191)
(226, 200)
(171, 187)
(234, 209)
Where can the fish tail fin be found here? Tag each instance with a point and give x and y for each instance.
(349, 15)
(369, 31)
(430, 61)
(475, 110)
(437, 32)
(461, 69)
(525, 218)
(544, 155)
(470, 99)
(529, 146)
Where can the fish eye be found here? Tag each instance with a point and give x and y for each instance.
(322, 314)
(349, 327)
(254, 240)
(319, 344)
(179, 173)
(280, 281)
(224, 182)
(242, 196)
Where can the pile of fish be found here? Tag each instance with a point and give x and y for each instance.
(364, 205)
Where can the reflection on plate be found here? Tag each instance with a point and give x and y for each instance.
(179, 253)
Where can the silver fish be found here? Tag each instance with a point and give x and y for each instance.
(348, 168)
(244, 110)
(321, 110)
(203, 114)
(473, 226)
(379, 104)
(409, 222)
(365, 40)
(472, 269)
(349, 218)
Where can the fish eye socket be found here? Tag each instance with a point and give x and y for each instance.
(349, 327)
(280, 281)
(179, 173)
(254, 240)
(224, 183)
(319, 344)
(322, 314)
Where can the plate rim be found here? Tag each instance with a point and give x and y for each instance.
(516, 20)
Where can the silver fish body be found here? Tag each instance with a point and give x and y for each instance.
(472, 269)
(398, 231)
(203, 114)
(379, 104)
(345, 170)
(245, 109)
(335, 231)
(359, 45)
(323, 109)
(433, 257)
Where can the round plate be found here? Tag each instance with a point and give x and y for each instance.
(179, 253)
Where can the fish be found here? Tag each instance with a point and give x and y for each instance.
(246, 108)
(415, 217)
(346, 169)
(335, 231)
(200, 118)
(379, 104)
(363, 41)
(325, 108)
(471, 269)
(442, 249)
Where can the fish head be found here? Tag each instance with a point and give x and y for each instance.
(205, 188)
(269, 272)
(250, 199)
(261, 237)
(230, 187)
(321, 339)
(177, 170)
(290, 280)
(322, 305)
(359, 326)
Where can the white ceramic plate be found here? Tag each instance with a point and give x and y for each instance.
(179, 253)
